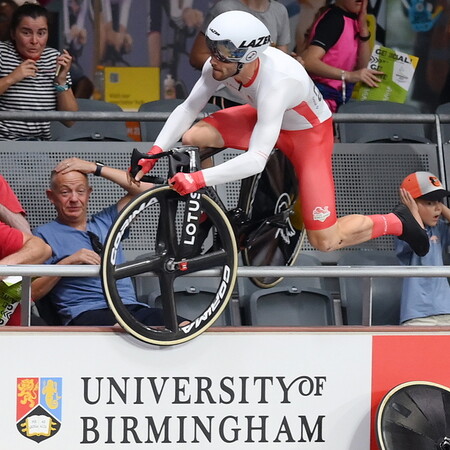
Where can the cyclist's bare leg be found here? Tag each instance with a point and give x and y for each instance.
(207, 138)
(348, 230)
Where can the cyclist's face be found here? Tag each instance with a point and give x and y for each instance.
(222, 70)
(70, 195)
(31, 37)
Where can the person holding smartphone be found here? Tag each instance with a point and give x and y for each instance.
(33, 77)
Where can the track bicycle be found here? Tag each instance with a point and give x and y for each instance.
(195, 232)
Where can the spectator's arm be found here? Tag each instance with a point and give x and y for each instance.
(65, 100)
(364, 50)
(14, 220)
(26, 69)
(446, 212)
(117, 176)
(283, 48)
(43, 285)
(33, 251)
(312, 58)
(200, 51)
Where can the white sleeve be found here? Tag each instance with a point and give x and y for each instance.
(124, 13)
(271, 109)
(106, 11)
(82, 14)
(184, 115)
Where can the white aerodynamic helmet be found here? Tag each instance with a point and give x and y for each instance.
(237, 36)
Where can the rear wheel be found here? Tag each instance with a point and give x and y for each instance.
(273, 209)
(173, 236)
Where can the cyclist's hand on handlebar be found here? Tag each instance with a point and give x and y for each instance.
(185, 183)
(148, 164)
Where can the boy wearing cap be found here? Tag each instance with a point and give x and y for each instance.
(425, 301)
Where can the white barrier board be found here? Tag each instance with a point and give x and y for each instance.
(220, 391)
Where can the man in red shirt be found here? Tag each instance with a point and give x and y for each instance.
(18, 245)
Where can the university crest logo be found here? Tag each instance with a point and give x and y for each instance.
(38, 411)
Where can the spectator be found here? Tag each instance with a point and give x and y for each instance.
(11, 211)
(339, 51)
(32, 76)
(425, 301)
(115, 40)
(182, 17)
(76, 240)
(7, 8)
(272, 13)
(19, 246)
(306, 17)
(283, 110)
(75, 33)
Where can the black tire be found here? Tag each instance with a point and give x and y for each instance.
(155, 224)
(274, 242)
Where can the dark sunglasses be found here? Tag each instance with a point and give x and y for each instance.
(97, 246)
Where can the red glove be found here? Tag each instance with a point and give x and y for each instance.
(148, 164)
(185, 183)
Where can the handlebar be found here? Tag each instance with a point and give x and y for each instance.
(181, 159)
(135, 167)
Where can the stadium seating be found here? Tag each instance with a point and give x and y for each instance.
(289, 306)
(388, 132)
(92, 130)
(386, 291)
(194, 295)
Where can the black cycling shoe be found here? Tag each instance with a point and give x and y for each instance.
(413, 233)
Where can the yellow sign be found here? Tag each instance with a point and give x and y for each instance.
(130, 87)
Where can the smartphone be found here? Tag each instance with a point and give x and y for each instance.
(58, 66)
(58, 69)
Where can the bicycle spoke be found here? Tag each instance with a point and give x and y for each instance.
(133, 268)
(168, 302)
(166, 237)
(202, 262)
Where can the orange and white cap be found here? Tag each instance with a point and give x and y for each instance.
(424, 185)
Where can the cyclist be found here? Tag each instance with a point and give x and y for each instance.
(284, 110)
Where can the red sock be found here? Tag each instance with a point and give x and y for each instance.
(384, 224)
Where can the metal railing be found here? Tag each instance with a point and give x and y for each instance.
(365, 272)
(143, 116)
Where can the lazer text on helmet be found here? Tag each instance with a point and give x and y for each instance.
(263, 40)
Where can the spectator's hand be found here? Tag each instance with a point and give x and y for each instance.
(367, 76)
(79, 35)
(82, 256)
(193, 18)
(185, 183)
(65, 61)
(362, 19)
(407, 199)
(127, 44)
(121, 40)
(80, 165)
(27, 69)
